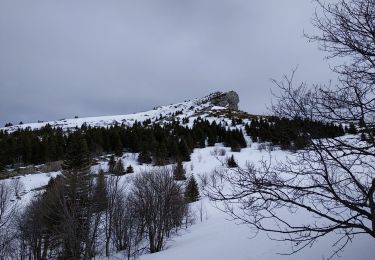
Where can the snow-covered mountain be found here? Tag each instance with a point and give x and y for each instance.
(212, 235)
(215, 106)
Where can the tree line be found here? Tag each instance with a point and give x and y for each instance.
(293, 133)
(156, 144)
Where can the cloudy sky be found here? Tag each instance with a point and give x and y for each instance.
(61, 58)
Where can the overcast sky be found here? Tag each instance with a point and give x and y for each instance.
(61, 58)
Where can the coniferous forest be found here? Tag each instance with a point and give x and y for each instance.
(157, 144)
(293, 133)
(154, 143)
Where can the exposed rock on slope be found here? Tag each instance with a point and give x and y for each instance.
(228, 99)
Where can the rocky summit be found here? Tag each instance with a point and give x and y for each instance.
(227, 99)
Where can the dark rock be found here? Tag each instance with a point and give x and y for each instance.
(228, 99)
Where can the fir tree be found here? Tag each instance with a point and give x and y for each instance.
(179, 172)
(129, 169)
(231, 162)
(76, 167)
(2, 164)
(352, 130)
(161, 154)
(144, 157)
(27, 150)
(192, 190)
(184, 151)
(77, 189)
(211, 139)
(111, 164)
(119, 168)
(117, 144)
(100, 192)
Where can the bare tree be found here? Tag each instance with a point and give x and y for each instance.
(333, 179)
(17, 187)
(33, 233)
(8, 211)
(158, 202)
(113, 189)
(347, 31)
(128, 231)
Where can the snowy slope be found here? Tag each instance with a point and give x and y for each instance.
(201, 107)
(215, 236)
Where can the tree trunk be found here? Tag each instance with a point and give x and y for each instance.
(372, 205)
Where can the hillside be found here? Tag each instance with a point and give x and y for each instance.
(215, 236)
(210, 126)
(214, 106)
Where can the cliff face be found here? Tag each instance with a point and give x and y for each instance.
(228, 99)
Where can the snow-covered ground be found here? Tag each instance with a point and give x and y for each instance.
(214, 236)
(218, 238)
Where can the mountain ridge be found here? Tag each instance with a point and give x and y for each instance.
(217, 104)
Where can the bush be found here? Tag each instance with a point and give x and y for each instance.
(156, 200)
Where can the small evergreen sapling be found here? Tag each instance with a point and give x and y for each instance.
(144, 157)
(352, 129)
(119, 168)
(192, 190)
(179, 172)
(129, 169)
(111, 164)
(231, 162)
(100, 192)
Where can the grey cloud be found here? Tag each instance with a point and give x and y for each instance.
(93, 57)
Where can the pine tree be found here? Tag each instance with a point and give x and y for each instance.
(129, 169)
(27, 150)
(352, 129)
(111, 164)
(77, 192)
(211, 138)
(144, 157)
(100, 192)
(117, 144)
(119, 168)
(179, 172)
(184, 151)
(231, 162)
(161, 154)
(2, 164)
(76, 168)
(2, 169)
(192, 190)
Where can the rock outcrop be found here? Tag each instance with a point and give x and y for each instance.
(227, 99)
